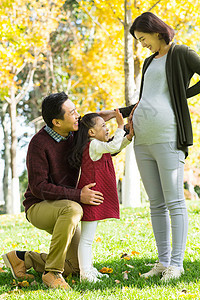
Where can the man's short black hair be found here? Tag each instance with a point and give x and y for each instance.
(52, 107)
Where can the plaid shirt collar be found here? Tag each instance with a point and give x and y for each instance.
(56, 136)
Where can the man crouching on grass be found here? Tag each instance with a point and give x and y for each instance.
(51, 200)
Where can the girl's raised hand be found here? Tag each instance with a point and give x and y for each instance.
(119, 118)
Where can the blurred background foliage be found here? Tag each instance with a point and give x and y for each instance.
(78, 47)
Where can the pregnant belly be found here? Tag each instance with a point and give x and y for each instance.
(153, 121)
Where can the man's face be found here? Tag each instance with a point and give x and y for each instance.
(70, 121)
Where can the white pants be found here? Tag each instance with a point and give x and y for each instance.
(161, 168)
(88, 230)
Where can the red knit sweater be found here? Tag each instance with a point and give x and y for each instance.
(49, 175)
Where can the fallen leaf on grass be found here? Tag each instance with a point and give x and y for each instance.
(98, 240)
(14, 282)
(20, 284)
(2, 270)
(135, 252)
(126, 274)
(132, 267)
(188, 296)
(105, 270)
(34, 282)
(73, 281)
(125, 256)
(185, 294)
(23, 283)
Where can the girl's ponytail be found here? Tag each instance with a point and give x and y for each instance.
(81, 138)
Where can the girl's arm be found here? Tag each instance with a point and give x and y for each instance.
(98, 148)
(128, 138)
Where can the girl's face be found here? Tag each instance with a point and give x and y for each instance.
(99, 131)
(149, 40)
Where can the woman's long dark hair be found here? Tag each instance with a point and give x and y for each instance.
(81, 138)
(150, 23)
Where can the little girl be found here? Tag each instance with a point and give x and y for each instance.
(93, 152)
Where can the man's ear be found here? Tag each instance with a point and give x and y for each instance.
(56, 122)
(91, 132)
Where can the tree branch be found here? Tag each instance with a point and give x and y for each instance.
(121, 21)
(96, 22)
(154, 5)
(28, 81)
(21, 68)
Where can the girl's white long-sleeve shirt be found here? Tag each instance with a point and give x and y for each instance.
(98, 148)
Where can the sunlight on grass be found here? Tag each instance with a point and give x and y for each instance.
(126, 246)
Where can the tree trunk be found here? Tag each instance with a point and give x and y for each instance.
(15, 194)
(6, 157)
(131, 181)
(128, 56)
(137, 74)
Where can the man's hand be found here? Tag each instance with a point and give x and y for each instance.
(107, 114)
(91, 197)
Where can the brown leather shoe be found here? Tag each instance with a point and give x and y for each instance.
(55, 280)
(16, 265)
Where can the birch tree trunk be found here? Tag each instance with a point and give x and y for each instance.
(131, 181)
(12, 101)
(15, 195)
(6, 157)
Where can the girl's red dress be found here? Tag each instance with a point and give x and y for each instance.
(102, 172)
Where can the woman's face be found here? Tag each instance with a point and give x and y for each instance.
(149, 40)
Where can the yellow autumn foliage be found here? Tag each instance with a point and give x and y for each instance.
(24, 33)
(99, 67)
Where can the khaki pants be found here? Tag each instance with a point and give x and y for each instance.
(59, 218)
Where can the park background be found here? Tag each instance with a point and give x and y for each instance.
(84, 48)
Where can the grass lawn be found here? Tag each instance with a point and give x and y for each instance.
(132, 235)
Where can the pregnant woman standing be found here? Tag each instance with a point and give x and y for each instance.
(163, 132)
